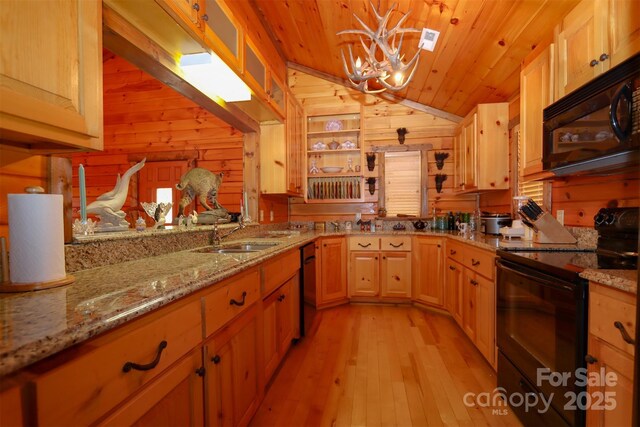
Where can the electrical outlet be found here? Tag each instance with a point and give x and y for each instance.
(560, 216)
(271, 216)
(261, 215)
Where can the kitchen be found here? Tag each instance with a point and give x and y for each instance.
(240, 139)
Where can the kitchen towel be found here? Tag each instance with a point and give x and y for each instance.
(36, 238)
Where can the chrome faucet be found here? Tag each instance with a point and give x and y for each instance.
(336, 225)
(216, 237)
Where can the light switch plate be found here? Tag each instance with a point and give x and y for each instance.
(261, 215)
(271, 216)
(560, 216)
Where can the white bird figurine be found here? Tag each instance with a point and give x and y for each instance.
(109, 205)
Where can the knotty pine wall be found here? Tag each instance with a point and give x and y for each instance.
(380, 120)
(145, 118)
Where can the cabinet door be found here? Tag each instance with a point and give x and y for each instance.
(334, 270)
(618, 390)
(454, 294)
(255, 68)
(428, 284)
(469, 308)
(294, 146)
(364, 274)
(186, 8)
(223, 33)
(232, 374)
(11, 405)
(395, 274)
(458, 160)
(175, 398)
(273, 159)
(51, 74)
(536, 93)
(485, 317)
(270, 334)
(470, 148)
(284, 317)
(624, 30)
(580, 44)
(276, 94)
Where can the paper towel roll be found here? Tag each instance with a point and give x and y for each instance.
(36, 238)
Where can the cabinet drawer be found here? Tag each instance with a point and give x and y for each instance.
(455, 250)
(89, 380)
(401, 243)
(279, 270)
(228, 301)
(364, 243)
(482, 262)
(608, 306)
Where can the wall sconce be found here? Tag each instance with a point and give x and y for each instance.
(371, 161)
(401, 133)
(210, 75)
(440, 158)
(440, 178)
(372, 185)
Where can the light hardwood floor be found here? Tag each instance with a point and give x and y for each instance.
(370, 365)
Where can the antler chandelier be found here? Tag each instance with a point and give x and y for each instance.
(383, 62)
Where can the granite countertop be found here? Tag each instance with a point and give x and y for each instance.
(38, 324)
(625, 280)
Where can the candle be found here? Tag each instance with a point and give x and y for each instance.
(246, 205)
(83, 195)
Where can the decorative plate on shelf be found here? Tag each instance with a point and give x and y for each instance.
(319, 146)
(331, 169)
(333, 125)
(348, 145)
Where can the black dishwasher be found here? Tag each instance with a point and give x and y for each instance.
(307, 281)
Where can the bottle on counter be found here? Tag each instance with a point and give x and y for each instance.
(451, 221)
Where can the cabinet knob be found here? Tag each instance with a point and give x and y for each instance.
(384, 257)
(473, 282)
(604, 57)
(452, 252)
(590, 359)
(215, 359)
(196, 7)
(593, 63)
(205, 17)
(200, 371)
(452, 268)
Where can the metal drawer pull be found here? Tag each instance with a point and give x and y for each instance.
(282, 297)
(474, 262)
(396, 246)
(590, 359)
(452, 252)
(131, 365)
(241, 303)
(623, 332)
(364, 246)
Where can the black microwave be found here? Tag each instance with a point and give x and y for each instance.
(596, 128)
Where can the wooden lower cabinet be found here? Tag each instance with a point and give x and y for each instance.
(176, 398)
(428, 278)
(11, 404)
(454, 286)
(278, 325)
(485, 317)
(611, 312)
(231, 380)
(395, 275)
(469, 302)
(332, 274)
(364, 274)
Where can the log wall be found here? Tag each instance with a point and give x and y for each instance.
(145, 118)
(379, 122)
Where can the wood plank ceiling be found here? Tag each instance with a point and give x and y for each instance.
(477, 58)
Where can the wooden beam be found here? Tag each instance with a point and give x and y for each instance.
(385, 95)
(60, 183)
(125, 40)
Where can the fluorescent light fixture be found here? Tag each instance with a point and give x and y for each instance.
(213, 77)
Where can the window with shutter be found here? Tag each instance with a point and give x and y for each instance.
(402, 183)
(533, 189)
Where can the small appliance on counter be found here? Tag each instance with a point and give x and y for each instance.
(491, 223)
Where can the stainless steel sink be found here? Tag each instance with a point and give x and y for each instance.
(238, 248)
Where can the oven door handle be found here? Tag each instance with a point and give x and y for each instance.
(541, 280)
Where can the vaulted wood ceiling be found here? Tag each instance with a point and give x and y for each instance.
(477, 58)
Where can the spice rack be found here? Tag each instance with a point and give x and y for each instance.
(334, 158)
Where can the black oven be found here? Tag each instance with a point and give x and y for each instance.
(596, 128)
(541, 334)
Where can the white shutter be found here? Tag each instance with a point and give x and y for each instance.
(402, 183)
(532, 189)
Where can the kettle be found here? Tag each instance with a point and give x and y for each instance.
(419, 225)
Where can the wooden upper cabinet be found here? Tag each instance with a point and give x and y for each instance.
(536, 93)
(595, 36)
(295, 146)
(481, 149)
(223, 33)
(187, 9)
(51, 98)
(255, 68)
